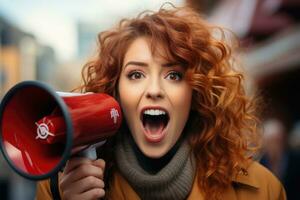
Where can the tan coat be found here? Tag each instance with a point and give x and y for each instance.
(257, 184)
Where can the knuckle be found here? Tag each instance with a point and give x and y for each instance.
(101, 172)
(102, 184)
(98, 193)
(84, 169)
(91, 180)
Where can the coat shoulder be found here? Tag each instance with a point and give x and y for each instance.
(43, 190)
(261, 175)
(261, 182)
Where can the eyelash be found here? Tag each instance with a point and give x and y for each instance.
(178, 74)
(132, 75)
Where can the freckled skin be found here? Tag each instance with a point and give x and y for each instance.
(146, 81)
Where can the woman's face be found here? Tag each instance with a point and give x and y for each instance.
(155, 98)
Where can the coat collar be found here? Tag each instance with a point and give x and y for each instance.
(246, 176)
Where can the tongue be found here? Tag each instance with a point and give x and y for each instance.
(154, 127)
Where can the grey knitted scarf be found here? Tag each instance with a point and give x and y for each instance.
(174, 181)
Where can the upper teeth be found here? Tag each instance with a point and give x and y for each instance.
(154, 112)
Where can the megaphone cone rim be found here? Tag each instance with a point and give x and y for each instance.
(69, 128)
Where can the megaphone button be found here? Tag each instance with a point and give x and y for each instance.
(114, 114)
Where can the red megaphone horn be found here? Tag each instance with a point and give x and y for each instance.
(39, 127)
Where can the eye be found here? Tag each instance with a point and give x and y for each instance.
(135, 75)
(174, 76)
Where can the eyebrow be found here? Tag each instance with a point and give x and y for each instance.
(142, 64)
(171, 64)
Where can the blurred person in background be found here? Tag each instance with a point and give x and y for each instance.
(189, 127)
(294, 138)
(283, 161)
(274, 143)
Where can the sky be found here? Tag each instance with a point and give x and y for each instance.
(53, 22)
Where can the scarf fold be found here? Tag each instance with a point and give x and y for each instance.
(173, 181)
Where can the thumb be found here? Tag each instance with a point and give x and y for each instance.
(99, 163)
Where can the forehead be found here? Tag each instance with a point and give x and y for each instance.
(139, 48)
(145, 47)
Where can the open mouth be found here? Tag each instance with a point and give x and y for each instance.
(154, 122)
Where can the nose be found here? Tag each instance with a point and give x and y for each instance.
(155, 90)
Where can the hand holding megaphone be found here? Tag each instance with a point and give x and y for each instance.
(39, 128)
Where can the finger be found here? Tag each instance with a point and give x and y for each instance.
(75, 162)
(95, 193)
(81, 171)
(86, 184)
(99, 163)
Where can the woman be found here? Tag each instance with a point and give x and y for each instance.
(189, 129)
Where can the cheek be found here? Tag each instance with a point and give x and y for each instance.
(126, 95)
(129, 97)
(181, 97)
(181, 100)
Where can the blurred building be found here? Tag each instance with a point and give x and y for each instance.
(22, 57)
(46, 64)
(17, 53)
(87, 41)
(87, 38)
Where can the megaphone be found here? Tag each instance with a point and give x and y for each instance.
(39, 127)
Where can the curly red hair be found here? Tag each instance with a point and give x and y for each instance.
(222, 126)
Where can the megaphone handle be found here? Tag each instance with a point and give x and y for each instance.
(89, 153)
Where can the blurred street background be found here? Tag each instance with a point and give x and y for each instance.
(50, 41)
